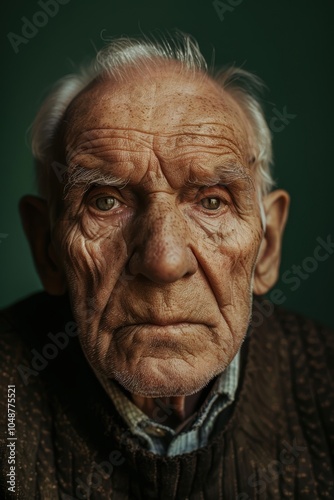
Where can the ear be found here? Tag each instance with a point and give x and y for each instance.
(276, 208)
(35, 219)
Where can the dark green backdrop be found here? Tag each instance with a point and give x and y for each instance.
(287, 43)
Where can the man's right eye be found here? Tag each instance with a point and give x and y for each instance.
(105, 203)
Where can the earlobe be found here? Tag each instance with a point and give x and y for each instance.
(35, 220)
(276, 207)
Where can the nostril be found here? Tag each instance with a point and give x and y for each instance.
(162, 264)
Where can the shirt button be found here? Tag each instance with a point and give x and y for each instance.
(155, 431)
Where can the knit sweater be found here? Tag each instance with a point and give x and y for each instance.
(275, 442)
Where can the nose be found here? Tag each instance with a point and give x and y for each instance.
(162, 252)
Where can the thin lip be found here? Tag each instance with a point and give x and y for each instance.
(162, 323)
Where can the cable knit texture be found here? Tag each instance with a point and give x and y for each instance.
(276, 442)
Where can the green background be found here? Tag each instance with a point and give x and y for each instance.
(287, 43)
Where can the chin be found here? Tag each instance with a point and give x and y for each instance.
(165, 378)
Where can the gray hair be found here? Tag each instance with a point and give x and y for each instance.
(115, 60)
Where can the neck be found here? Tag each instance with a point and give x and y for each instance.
(171, 411)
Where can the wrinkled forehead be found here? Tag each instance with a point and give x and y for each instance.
(159, 101)
(180, 122)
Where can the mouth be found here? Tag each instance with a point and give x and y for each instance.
(167, 323)
(161, 327)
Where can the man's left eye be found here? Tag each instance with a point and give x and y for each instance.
(105, 203)
(211, 203)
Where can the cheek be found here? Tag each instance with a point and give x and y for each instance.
(228, 256)
(94, 249)
(227, 251)
(93, 259)
(243, 253)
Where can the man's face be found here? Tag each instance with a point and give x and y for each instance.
(159, 269)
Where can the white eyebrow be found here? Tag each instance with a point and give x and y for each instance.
(227, 174)
(85, 177)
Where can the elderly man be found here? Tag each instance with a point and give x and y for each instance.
(136, 374)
